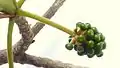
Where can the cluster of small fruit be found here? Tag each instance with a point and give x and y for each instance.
(86, 40)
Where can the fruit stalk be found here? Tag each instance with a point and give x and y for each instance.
(44, 20)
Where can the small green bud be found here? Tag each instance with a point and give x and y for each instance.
(80, 38)
(97, 37)
(80, 49)
(87, 25)
(98, 48)
(103, 45)
(90, 33)
(90, 53)
(69, 46)
(90, 44)
(100, 54)
(94, 29)
(82, 26)
(78, 24)
(102, 37)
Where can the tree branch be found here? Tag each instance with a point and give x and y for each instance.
(37, 61)
(45, 62)
(27, 35)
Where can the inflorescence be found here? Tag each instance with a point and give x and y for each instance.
(86, 40)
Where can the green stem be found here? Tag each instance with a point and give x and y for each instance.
(9, 43)
(20, 3)
(14, 2)
(44, 20)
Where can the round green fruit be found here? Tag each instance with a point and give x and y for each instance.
(103, 45)
(102, 37)
(78, 24)
(90, 44)
(82, 26)
(80, 49)
(98, 48)
(94, 29)
(80, 38)
(87, 25)
(90, 53)
(97, 37)
(90, 33)
(69, 46)
(100, 54)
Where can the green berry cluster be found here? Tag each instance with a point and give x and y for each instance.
(86, 40)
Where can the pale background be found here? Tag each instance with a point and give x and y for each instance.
(104, 14)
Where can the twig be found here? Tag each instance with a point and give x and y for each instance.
(37, 61)
(45, 62)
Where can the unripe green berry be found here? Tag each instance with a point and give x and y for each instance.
(98, 48)
(90, 53)
(94, 29)
(78, 24)
(69, 46)
(90, 33)
(80, 49)
(97, 38)
(102, 37)
(103, 45)
(82, 26)
(90, 44)
(80, 38)
(100, 54)
(87, 25)
(100, 44)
